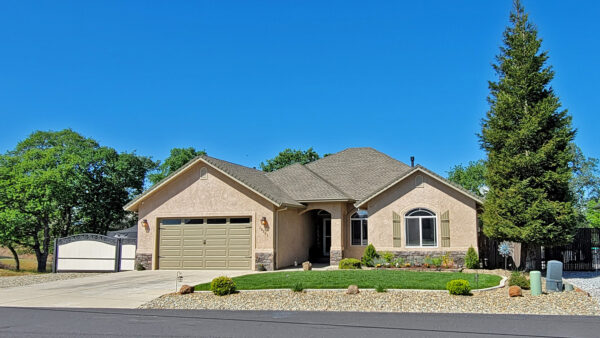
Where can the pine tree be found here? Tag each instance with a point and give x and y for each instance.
(527, 137)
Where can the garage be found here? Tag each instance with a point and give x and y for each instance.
(205, 243)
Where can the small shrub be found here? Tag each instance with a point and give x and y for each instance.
(350, 263)
(297, 287)
(369, 255)
(407, 265)
(388, 256)
(380, 288)
(518, 279)
(472, 259)
(222, 286)
(436, 261)
(399, 262)
(379, 262)
(427, 260)
(458, 287)
(447, 261)
(139, 266)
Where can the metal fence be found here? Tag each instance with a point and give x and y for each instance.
(583, 254)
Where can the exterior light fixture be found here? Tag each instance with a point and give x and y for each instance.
(145, 223)
(263, 221)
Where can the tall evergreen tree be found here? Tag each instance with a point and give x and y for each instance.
(527, 137)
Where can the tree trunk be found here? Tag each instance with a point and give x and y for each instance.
(15, 256)
(42, 259)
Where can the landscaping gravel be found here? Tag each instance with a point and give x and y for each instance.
(24, 280)
(585, 280)
(492, 301)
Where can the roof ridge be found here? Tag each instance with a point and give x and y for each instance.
(338, 189)
(236, 164)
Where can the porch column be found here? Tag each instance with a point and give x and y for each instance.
(337, 243)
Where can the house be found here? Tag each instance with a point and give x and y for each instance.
(213, 214)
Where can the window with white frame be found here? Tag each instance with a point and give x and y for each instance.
(420, 228)
(359, 228)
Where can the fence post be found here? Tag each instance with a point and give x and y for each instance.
(55, 257)
(118, 256)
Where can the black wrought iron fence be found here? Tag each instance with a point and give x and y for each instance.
(583, 254)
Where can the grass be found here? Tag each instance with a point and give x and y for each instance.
(28, 266)
(366, 279)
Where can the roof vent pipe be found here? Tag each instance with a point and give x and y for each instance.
(412, 161)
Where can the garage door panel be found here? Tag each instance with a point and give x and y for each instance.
(166, 232)
(170, 264)
(216, 252)
(239, 253)
(240, 232)
(193, 253)
(218, 232)
(193, 242)
(216, 264)
(196, 264)
(239, 242)
(239, 264)
(205, 246)
(193, 232)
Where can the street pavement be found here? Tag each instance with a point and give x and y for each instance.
(55, 322)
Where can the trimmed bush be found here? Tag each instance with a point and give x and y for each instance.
(387, 256)
(472, 259)
(518, 279)
(350, 263)
(297, 287)
(380, 288)
(459, 287)
(369, 255)
(222, 286)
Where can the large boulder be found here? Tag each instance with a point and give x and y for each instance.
(352, 290)
(185, 289)
(306, 266)
(515, 291)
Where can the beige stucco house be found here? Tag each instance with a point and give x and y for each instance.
(213, 214)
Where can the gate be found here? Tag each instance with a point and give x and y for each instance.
(93, 252)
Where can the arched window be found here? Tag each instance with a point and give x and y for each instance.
(359, 228)
(420, 228)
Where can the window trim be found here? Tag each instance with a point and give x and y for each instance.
(362, 220)
(434, 217)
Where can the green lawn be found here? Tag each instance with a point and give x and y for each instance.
(341, 279)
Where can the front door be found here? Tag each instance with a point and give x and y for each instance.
(326, 236)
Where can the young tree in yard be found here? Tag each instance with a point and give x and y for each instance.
(592, 213)
(527, 137)
(471, 177)
(176, 160)
(59, 183)
(289, 156)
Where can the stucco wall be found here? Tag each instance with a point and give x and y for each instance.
(403, 197)
(189, 196)
(296, 234)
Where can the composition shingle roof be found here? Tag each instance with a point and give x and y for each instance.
(304, 185)
(358, 172)
(354, 175)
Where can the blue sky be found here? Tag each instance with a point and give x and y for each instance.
(244, 80)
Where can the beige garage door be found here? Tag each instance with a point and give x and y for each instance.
(205, 243)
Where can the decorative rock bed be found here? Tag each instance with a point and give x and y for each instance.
(24, 280)
(491, 301)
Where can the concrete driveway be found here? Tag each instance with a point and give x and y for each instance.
(111, 290)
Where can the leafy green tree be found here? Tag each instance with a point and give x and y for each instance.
(471, 177)
(176, 160)
(52, 182)
(527, 138)
(289, 156)
(592, 213)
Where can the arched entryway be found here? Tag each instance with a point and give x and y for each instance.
(321, 229)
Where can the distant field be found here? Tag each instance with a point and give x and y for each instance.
(28, 264)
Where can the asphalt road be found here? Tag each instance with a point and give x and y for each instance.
(55, 322)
